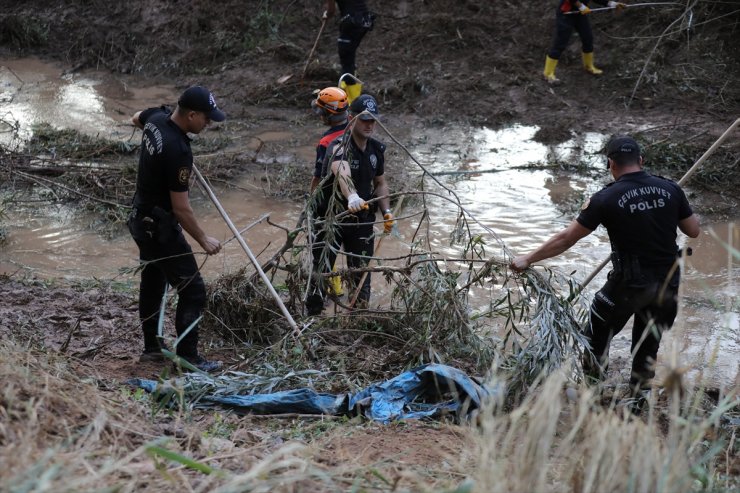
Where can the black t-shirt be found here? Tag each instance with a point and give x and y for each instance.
(641, 213)
(352, 7)
(165, 162)
(364, 167)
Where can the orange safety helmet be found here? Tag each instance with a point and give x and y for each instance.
(332, 100)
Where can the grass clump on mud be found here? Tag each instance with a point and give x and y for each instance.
(676, 158)
(71, 144)
(23, 31)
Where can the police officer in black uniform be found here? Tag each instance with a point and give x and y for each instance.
(161, 209)
(354, 172)
(355, 21)
(641, 213)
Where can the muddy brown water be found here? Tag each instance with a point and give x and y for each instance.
(496, 173)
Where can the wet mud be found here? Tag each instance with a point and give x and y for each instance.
(523, 189)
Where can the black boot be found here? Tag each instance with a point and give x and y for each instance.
(198, 362)
(153, 350)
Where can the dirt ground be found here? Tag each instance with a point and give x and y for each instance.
(430, 63)
(477, 63)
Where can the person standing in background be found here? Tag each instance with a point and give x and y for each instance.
(355, 21)
(572, 15)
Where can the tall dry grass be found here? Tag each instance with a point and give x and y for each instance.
(60, 433)
(552, 443)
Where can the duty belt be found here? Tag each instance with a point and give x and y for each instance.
(138, 213)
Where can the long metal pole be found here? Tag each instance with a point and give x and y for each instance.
(683, 180)
(245, 248)
(648, 4)
(315, 43)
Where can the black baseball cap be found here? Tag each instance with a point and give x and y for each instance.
(198, 98)
(365, 102)
(622, 146)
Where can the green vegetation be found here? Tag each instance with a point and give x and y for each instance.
(23, 31)
(71, 144)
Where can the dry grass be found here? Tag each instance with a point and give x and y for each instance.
(62, 433)
(551, 443)
(59, 432)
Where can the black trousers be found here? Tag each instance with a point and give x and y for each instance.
(169, 262)
(654, 304)
(564, 27)
(352, 28)
(358, 242)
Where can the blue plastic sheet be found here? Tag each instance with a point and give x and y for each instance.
(424, 392)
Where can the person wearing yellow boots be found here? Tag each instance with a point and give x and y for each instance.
(331, 106)
(567, 21)
(355, 20)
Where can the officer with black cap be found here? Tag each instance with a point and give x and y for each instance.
(641, 213)
(161, 210)
(354, 172)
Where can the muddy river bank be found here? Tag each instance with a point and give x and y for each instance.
(520, 188)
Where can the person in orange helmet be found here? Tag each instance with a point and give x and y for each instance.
(331, 106)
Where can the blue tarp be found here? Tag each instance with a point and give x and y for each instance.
(426, 391)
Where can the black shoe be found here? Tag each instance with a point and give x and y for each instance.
(153, 354)
(200, 363)
(314, 305)
(150, 356)
(638, 402)
(594, 374)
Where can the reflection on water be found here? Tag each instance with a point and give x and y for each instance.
(34, 91)
(506, 180)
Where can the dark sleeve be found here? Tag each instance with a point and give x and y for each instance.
(178, 166)
(334, 152)
(147, 113)
(600, 2)
(319, 164)
(590, 215)
(325, 164)
(684, 209)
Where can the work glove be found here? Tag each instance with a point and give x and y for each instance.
(616, 5)
(584, 10)
(355, 203)
(388, 221)
(325, 15)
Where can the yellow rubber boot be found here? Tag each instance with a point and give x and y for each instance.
(335, 283)
(353, 90)
(549, 72)
(588, 64)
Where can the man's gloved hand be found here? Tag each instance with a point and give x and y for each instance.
(616, 5)
(325, 15)
(388, 221)
(584, 10)
(355, 203)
